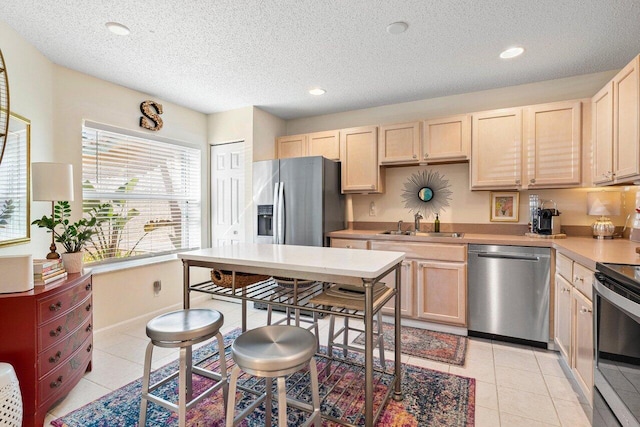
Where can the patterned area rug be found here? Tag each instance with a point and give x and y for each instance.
(432, 345)
(431, 398)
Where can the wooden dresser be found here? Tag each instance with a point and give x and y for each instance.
(46, 334)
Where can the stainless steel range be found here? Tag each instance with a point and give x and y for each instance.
(617, 345)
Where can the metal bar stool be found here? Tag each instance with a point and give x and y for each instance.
(347, 297)
(182, 329)
(284, 293)
(10, 397)
(274, 352)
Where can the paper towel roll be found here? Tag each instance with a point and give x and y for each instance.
(16, 273)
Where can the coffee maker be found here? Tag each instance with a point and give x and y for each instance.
(547, 221)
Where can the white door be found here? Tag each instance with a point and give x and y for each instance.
(227, 194)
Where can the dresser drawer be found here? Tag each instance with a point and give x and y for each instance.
(52, 306)
(349, 243)
(60, 328)
(60, 380)
(57, 354)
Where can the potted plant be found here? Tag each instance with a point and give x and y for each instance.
(73, 236)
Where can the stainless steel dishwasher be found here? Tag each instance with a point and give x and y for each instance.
(508, 288)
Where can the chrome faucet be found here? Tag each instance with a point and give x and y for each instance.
(417, 219)
(399, 226)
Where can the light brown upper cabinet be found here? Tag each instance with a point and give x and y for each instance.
(626, 122)
(496, 149)
(359, 154)
(602, 134)
(399, 143)
(325, 144)
(291, 146)
(552, 144)
(446, 139)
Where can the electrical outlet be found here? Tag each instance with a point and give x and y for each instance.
(157, 287)
(372, 209)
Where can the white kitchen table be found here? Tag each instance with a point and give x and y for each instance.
(319, 264)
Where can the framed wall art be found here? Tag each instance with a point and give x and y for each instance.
(15, 183)
(504, 206)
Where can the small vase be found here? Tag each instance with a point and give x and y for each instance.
(73, 261)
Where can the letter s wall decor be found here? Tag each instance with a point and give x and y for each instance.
(148, 113)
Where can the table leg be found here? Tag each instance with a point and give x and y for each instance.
(186, 303)
(368, 353)
(397, 394)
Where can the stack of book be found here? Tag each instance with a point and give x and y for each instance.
(47, 270)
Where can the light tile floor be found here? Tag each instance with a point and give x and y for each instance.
(515, 385)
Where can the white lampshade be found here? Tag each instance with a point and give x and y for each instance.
(604, 203)
(52, 181)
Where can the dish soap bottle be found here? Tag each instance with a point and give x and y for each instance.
(436, 224)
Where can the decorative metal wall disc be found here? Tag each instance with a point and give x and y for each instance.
(426, 192)
(4, 106)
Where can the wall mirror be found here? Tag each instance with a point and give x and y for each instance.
(426, 192)
(15, 183)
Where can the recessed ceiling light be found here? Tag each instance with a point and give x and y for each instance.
(317, 91)
(117, 28)
(397, 27)
(512, 52)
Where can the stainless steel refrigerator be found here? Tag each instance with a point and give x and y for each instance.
(297, 201)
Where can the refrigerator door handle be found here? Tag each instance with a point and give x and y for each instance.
(281, 215)
(276, 193)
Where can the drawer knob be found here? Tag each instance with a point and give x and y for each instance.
(88, 307)
(57, 383)
(54, 359)
(89, 328)
(89, 348)
(88, 287)
(55, 332)
(55, 307)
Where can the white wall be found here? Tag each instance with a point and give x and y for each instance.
(466, 206)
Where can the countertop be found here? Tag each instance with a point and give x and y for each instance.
(306, 260)
(586, 250)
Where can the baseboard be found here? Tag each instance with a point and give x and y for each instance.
(455, 330)
(126, 324)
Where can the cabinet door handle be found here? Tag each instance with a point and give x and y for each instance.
(88, 287)
(88, 328)
(426, 155)
(584, 309)
(55, 332)
(88, 307)
(517, 182)
(578, 279)
(415, 156)
(54, 359)
(55, 307)
(57, 383)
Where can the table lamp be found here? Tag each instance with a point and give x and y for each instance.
(603, 203)
(52, 182)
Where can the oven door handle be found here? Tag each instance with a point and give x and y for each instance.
(629, 307)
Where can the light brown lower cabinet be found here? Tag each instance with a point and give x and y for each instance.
(574, 320)
(563, 316)
(406, 290)
(583, 341)
(442, 292)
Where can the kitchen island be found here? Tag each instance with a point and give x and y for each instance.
(322, 265)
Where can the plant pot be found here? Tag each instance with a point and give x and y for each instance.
(73, 261)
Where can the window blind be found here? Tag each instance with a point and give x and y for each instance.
(146, 194)
(13, 187)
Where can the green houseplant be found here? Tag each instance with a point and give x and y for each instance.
(73, 236)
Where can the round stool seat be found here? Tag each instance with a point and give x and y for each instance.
(274, 350)
(185, 325)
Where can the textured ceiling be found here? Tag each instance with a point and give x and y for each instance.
(220, 55)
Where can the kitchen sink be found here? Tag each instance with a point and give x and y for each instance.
(423, 234)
